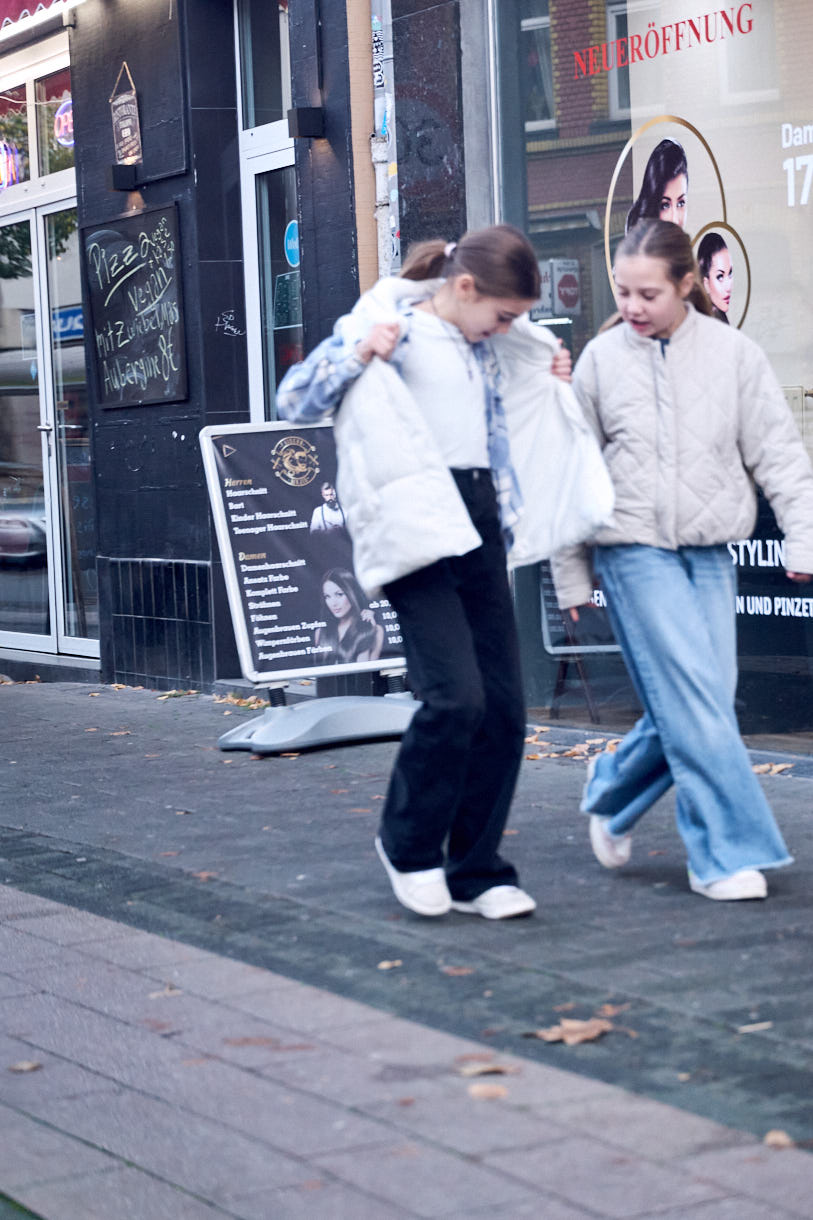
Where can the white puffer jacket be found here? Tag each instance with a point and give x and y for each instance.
(402, 505)
(686, 432)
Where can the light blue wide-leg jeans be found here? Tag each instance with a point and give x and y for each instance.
(673, 613)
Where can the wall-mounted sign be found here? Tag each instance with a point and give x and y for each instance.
(567, 295)
(63, 124)
(133, 273)
(126, 127)
(291, 243)
(9, 164)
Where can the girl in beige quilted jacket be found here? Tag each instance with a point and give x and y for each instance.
(689, 417)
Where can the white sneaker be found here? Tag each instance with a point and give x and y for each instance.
(425, 892)
(610, 850)
(500, 902)
(591, 770)
(747, 883)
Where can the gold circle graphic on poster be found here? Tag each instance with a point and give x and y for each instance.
(718, 224)
(294, 461)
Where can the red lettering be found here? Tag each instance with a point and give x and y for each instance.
(579, 61)
(593, 60)
(694, 29)
(621, 53)
(605, 47)
(729, 21)
(745, 25)
(666, 30)
(711, 37)
(678, 33)
(635, 49)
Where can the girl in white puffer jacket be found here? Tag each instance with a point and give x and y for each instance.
(689, 416)
(438, 474)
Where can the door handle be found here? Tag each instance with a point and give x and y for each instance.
(45, 427)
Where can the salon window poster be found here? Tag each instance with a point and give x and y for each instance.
(701, 114)
(297, 607)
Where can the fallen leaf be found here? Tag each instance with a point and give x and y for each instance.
(290, 754)
(656, 852)
(595, 741)
(487, 1092)
(575, 752)
(777, 1138)
(117, 686)
(405, 1101)
(91, 730)
(25, 1065)
(475, 1057)
(393, 965)
(204, 875)
(359, 811)
(94, 694)
(613, 745)
(510, 831)
(167, 990)
(257, 757)
(777, 768)
(756, 1027)
(338, 791)
(227, 761)
(122, 733)
(378, 797)
(568, 1007)
(572, 1031)
(182, 813)
(540, 728)
(761, 768)
(457, 971)
(532, 757)
(611, 1010)
(169, 853)
(684, 1076)
(487, 1069)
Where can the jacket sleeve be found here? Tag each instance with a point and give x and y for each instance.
(774, 454)
(572, 566)
(314, 388)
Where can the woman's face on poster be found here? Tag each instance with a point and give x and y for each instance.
(673, 201)
(718, 281)
(336, 600)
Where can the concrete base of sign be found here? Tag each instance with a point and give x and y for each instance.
(321, 722)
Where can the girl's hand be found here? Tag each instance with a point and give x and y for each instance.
(801, 578)
(368, 615)
(562, 364)
(381, 341)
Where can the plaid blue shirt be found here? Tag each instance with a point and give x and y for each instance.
(313, 390)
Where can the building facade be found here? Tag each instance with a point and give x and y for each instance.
(234, 137)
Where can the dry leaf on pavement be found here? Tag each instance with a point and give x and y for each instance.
(756, 1027)
(393, 965)
(487, 1069)
(481, 1091)
(761, 768)
(778, 768)
(457, 971)
(611, 1010)
(572, 1031)
(205, 875)
(613, 745)
(167, 990)
(25, 1065)
(777, 1138)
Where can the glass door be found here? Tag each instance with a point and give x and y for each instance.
(25, 601)
(48, 595)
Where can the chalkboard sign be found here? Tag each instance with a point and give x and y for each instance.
(561, 636)
(296, 606)
(133, 275)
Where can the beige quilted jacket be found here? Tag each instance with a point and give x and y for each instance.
(686, 432)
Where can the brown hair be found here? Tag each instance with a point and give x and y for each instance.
(500, 259)
(667, 241)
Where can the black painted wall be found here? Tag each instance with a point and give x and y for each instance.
(164, 620)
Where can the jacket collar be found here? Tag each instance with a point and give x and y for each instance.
(678, 339)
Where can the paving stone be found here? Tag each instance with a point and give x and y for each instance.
(191, 1152)
(318, 1199)
(31, 1153)
(435, 1183)
(142, 950)
(239, 1038)
(539, 1207)
(10, 986)
(647, 1128)
(307, 1009)
(68, 927)
(771, 1174)
(123, 1194)
(468, 1125)
(217, 977)
(732, 1208)
(608, 1181)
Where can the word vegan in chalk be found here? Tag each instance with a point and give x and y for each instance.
(133, 273)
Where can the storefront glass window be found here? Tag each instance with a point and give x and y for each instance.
(593, 96)
(265, 60)
(14, 159)
(55, 121)
(280, 289)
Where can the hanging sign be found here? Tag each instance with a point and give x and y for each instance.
(126, 128)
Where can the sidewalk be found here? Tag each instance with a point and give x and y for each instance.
(167, 1082)
(175, 858)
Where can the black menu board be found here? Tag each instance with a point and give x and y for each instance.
(133, 274)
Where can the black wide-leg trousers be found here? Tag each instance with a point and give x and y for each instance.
(457, 768)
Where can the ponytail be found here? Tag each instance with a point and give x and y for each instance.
(500, 260)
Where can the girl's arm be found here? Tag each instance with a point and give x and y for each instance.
(315, 388)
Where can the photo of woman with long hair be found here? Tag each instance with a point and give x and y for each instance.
(663, 194)
(716, 273)
(352, 634)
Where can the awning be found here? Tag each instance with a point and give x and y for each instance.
(12, 11)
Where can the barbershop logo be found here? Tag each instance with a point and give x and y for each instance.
(294, 461)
